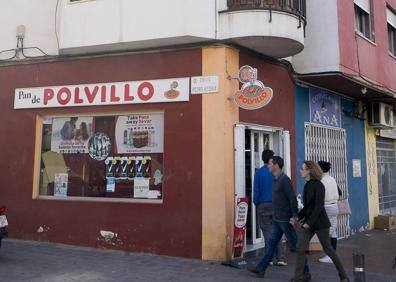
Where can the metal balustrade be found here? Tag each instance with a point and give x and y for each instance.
(295, 7)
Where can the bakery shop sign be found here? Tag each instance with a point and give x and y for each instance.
(116, 93)
(253, 94)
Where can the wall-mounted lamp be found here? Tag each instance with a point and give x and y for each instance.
(363, 90)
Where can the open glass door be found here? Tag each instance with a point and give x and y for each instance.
(255, 143)
(250, 141)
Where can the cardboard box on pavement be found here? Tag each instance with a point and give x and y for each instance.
(385, 222)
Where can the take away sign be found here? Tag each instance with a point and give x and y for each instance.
(117, 93)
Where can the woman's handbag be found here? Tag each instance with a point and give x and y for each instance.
(343, 207)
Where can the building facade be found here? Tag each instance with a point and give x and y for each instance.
(139, 123)
(358, 64)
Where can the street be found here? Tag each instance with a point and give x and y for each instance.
(48, 262)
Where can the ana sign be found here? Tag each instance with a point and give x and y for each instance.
(325, 108)
(137, 92)
(253, 94)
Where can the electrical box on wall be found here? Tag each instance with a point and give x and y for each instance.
(380, 115)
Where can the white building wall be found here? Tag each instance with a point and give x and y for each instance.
(322, 51)
(89, 26)
(38, 16)
(148, 23)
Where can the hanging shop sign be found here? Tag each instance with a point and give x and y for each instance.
(238, 241)
(325, 108)
(117, 93)
(253, 94)
(71, 135)
(140, 133)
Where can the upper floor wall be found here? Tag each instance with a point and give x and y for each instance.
(321, 52)
(100, 25)
(271, 27)
(38, 18)
(334, 44)
(369, 57)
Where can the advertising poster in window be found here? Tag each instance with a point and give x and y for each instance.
(141, 187)
(140, 133)
(60, 184)
(70, 135)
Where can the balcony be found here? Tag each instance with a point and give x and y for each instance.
(272, 27)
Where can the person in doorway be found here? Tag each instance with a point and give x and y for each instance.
(331, 207)
(313, 220)
(284, 210)
(262, 199)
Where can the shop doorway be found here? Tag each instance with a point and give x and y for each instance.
(386, 168)
(250, 141)
(329, 144)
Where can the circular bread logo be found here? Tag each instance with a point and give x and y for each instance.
(247, 74)
(99, 146)
(172, 93)
(253, 95)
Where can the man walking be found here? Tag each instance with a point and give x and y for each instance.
(285, 211)
(262, 199)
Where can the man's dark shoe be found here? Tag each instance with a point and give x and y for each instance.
(257, 271)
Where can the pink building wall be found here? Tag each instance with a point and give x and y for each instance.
(374, 63)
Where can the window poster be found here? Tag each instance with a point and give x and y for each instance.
(140, 133)
(110, 185)
(70, 135)
(141, 187)
(60, 184)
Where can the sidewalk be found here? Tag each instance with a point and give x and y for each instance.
(38, 261)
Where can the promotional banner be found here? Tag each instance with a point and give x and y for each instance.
(140, 133)
(238, 241)
(325, 108)
(116, 93)
(70, 135)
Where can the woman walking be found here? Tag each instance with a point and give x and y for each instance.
(314, 220)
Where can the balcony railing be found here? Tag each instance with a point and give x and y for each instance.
(295, 7)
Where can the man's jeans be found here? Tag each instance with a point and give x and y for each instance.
(264, 217)
(278, 229)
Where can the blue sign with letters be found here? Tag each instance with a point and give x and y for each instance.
(325, 107)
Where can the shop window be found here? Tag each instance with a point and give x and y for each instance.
(363, 18)
(391, 20)
(103, 156)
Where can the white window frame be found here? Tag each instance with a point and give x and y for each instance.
(362, 27)
(391, 27)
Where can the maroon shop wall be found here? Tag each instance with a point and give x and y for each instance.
(280, 111)
(172, 228)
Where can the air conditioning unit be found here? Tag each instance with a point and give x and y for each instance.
(380, 115)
